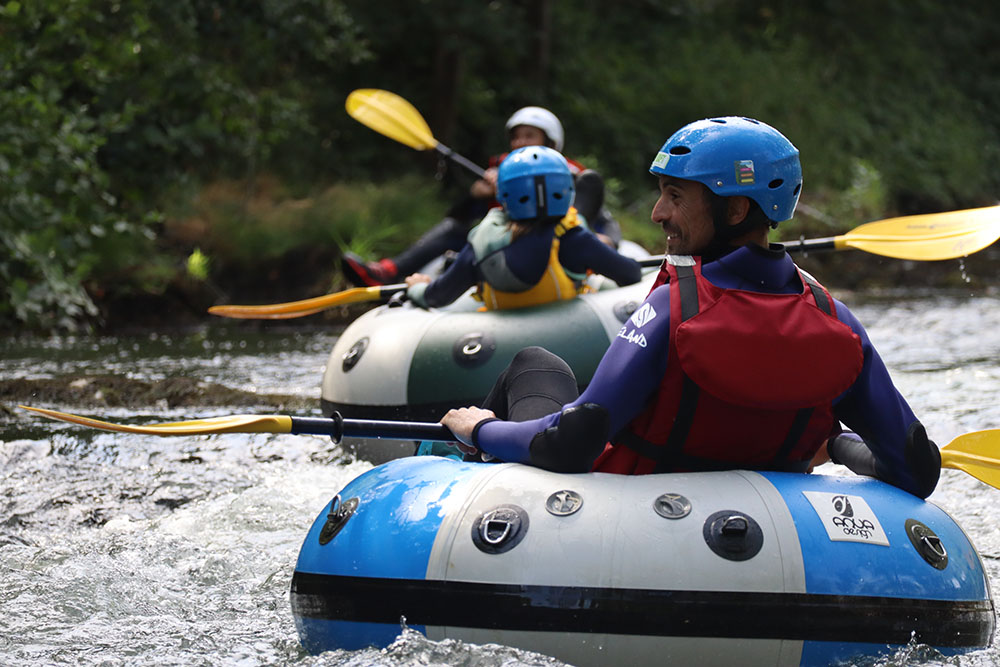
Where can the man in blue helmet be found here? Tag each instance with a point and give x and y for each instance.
(531, 251)
(736, 359)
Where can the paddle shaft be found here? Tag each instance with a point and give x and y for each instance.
(973, 453)
(465, 162)
(803, 245)
(337, 428)
(799, 245)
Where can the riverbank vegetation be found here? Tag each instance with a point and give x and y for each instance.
(156, 158)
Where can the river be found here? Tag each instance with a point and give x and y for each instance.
(131, 550)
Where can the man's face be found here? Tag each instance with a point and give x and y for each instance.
(525, 135)
(683, 212)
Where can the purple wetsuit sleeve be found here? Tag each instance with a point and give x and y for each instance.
(874, 409)
(627, 376)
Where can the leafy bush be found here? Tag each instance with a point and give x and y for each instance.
(266, 222)
(112, 113)
(105, 108)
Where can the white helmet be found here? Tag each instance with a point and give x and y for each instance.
(543, 119)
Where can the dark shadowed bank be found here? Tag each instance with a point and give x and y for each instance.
(111, 391)
(309, 273)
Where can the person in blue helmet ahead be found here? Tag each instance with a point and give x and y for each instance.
(531, 251)
(528, 126)
(736, 359)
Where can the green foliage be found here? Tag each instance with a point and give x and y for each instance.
(115, 116)
(249, 229)
(105, 107)
(57, 208)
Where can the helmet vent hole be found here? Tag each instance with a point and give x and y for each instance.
(680, 150)
(720, 121)
(557, 195)
(776, 183)
(524, 199)
(797, 188)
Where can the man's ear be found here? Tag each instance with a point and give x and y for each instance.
(737, 209)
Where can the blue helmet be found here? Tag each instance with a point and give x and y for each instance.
(535, 183)
(735, 156)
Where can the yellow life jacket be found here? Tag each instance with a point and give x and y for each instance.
(555, 284)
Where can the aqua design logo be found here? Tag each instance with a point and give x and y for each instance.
(744, 172)
(847, 518)
(661, 160)
(642, 316)
(842, 505)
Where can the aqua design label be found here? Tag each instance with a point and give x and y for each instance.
(847, 518)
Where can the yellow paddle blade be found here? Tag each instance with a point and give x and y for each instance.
(292, 309)
(250, 313)
(929, 237)
(391, 115)
(976, 453)
(228, 424)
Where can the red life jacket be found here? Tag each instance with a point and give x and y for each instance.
(750, 380)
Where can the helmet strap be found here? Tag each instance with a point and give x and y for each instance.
(721, 243)
(724, 232)
(541, 200)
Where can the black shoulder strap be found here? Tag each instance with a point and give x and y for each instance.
(665, 456)
(819, 294)
(687, 284)
(793, 436)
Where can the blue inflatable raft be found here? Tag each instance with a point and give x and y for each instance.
(707, 568)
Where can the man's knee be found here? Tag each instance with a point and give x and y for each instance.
(538, 358)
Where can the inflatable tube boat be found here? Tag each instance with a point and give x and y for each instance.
(684, 568)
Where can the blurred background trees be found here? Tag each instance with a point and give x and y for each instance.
(135, 133)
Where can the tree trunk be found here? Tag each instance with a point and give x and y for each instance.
(540, 26)
(447, 75)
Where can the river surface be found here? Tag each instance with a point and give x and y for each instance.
(131, 550)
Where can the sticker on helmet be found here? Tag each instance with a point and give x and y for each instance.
(744, 172)
(661, 160)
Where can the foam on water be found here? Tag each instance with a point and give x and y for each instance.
(133, 550)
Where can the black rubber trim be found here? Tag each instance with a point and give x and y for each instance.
(794, 616)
